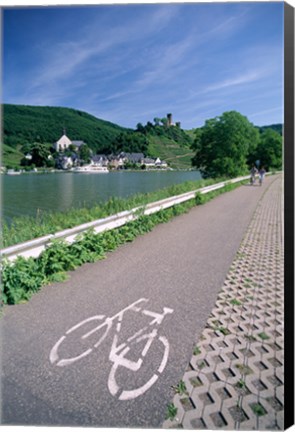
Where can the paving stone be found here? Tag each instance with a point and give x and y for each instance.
(236, 379)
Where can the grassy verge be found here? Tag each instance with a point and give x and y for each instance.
(27, 228)
(24, 277)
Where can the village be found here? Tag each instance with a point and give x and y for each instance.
(130, 152)
(75, 156)
(68, 158)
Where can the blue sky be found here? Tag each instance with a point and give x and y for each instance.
(132, 63)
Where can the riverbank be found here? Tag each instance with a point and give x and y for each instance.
(51, 171)
(32, 195)
(25, 228)
(26, 275)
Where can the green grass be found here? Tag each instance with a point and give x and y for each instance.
(171, 412)
(263, 336)
(11, 157)
(258, 409)
(235, 302)
(241, 384)
(26, 227)
(197, 350)
(180, 388)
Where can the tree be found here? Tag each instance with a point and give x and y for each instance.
(131, 142)
(149, 126)
(85, 153)
(223, 144)
(269, 150)
(164, 121)
(140, 127)
(40, 154)
(72, 148)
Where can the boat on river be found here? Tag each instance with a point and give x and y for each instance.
(91, 169)
(12, 172)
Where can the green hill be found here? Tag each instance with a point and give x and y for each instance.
(23, 125)
(27, 124)
(176, 155)
(276, 127)
(11, 157)
(169, 143)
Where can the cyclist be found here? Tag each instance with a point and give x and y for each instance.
(253, 173)
(261, 175)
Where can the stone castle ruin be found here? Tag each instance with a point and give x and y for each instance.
(170, 121)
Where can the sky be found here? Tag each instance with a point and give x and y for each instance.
(131, 63)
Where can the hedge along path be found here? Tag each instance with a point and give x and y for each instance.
(22, 278)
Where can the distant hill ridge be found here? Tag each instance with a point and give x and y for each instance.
(278, 127)
(24, 124)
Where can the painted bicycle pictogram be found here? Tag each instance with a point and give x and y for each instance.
(146, 336)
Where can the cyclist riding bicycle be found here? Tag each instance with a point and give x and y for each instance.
(253, 172)
(261, 175)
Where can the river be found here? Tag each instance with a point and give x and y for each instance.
(29, 193)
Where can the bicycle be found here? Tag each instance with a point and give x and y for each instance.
(118, 350)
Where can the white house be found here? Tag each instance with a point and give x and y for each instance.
(148, 162)
(99, 160)
(160, 164)
(64, 142)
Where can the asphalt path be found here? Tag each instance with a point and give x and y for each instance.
(171, 276)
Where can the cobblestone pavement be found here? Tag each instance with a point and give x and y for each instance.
(235, 377)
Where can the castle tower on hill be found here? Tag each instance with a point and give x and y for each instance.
(170, 121)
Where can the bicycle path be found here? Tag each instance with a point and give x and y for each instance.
(180, 265)
(235, 378)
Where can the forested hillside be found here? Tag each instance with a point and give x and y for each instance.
(25, 125)
(276, 127)
(28, 124)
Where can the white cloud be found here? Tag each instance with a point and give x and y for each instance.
(245, 78)
(271, 110)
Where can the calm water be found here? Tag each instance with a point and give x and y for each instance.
(25, 194)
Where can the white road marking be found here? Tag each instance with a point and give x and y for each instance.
(84, 322)
(53, 356)
(166, 353)
(132, 394)
(118, 352)
(158, 317)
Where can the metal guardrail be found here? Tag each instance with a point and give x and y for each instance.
(33, 248)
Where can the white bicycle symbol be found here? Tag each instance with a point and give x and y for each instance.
(117, 355)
